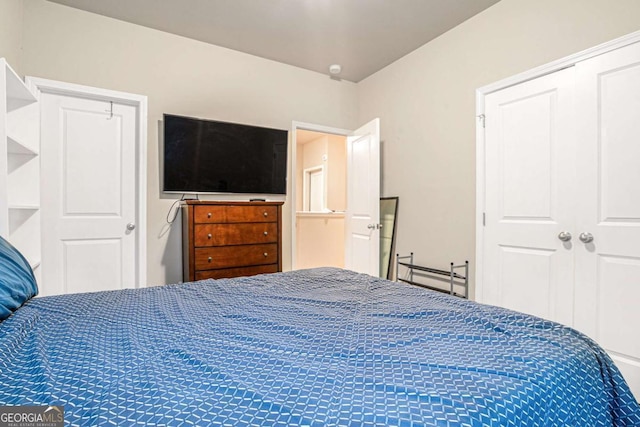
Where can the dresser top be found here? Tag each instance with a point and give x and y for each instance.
(230, 203)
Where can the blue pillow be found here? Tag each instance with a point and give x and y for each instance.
(17, 282)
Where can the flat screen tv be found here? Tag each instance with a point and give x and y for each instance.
(207, 156)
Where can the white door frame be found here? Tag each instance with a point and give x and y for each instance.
(540, 71)
(306, 186)
(39, 85)
(295, 127)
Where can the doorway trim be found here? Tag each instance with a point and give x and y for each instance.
(295, 127)
(39, 85)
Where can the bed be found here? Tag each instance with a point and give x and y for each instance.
(320, 347)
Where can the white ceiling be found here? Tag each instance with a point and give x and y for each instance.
(363, 36)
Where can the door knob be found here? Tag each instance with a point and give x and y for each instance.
(131, 226)
(374, 226)
(586, 237)
(565, 236)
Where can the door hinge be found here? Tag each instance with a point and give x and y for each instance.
(482, 118)
(484, 219)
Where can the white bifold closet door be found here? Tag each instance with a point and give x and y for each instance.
(607, 302)
(528, 199)
(562, 201)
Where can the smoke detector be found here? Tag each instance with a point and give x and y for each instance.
(335, 69)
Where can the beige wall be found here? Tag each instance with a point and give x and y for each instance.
(320, 240)
(299, 177)
(179, 76)
(310, 154)
(11, 32)
(337, 172)
(426, 103)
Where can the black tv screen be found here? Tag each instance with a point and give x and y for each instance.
(207, 156)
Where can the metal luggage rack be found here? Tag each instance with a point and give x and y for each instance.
(454, 279)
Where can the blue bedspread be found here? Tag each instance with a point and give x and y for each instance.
(322, 347)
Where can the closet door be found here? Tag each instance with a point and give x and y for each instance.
(529, 168)
(608, 201)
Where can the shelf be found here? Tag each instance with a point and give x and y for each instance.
(18, 95)
(20, 174)
(307, 214)
(16, 147)
(24, 232)
(454, 280)
(431, 270)
(433, 288)
(24, 207)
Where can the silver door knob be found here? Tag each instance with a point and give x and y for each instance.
(565, 236)
(131, 226)
(586, 237)
(371, 226)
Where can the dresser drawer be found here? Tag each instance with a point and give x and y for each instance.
(226, 214)
(235, 256)
(229, 239)
(236, 272)
(235, 234)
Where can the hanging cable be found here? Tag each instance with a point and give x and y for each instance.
(171, 220)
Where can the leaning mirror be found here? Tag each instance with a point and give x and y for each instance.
(388, 213)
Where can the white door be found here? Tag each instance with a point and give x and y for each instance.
(90, 195)
(529, 174)
(608, 199)
(362, 219)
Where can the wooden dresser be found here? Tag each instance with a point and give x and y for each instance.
(230, 239)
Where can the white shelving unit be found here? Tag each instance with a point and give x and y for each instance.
(19, 166)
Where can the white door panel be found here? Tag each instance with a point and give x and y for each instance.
(529, 174)
(82, 258)
(89, 194)
(608, 198)
(92, 146)
(362, 247)
(524, 279)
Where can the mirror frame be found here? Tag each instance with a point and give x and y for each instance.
(388, 263)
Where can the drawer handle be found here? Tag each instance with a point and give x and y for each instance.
(266, 233)
(208, 214)
(209, 259)
(209, 236)
(266, 214)
(266, 254)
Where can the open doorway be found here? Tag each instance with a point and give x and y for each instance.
(342, 197)
(320, 199)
